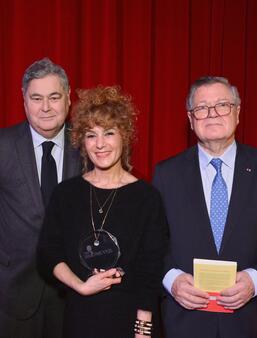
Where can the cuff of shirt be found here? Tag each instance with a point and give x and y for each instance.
(169, 278)
(253, 274)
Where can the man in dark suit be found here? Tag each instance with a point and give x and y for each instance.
(188, 184)
(30, 307)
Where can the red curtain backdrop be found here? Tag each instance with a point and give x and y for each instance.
(153, 49)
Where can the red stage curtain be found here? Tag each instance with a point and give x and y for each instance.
(153, 49)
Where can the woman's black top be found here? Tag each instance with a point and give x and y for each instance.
(136, 218)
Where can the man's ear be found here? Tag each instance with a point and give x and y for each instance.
(238, 112)
(189, 115)
(68, 94)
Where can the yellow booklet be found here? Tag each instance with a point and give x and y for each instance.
(213, 276)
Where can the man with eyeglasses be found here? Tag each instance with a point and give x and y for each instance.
(210, 196)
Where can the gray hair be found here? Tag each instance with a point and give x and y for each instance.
(41, 68)
(209, 80)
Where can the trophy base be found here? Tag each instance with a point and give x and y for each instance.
(119, 269)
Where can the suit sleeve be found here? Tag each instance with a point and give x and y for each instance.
(50, 248)
(159, 183)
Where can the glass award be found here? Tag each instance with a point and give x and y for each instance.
(100, 250)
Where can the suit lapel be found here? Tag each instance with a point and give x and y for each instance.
(242, 182)
(197, 204)
(26, 158)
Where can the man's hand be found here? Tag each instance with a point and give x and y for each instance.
(239, 294)
(186, 294)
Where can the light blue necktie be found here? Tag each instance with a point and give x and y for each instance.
(219, 203)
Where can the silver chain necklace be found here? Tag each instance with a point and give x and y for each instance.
(113, 194)
(101, 207)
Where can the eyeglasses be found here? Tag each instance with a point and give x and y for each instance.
(203, 112)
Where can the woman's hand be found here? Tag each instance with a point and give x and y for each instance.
(100, 281)
(141, 336)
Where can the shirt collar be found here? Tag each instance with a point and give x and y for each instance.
(39, 139)
(228, 157)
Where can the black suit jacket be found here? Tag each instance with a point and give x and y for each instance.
(21, 216)
(179, 181)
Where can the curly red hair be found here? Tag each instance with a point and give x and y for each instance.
(106, 107)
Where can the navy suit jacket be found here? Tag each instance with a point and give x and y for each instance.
(179, 181)
(21, 216)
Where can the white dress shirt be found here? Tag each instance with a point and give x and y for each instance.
(57, 151)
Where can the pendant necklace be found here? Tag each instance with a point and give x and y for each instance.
(101, 207)
(112, 194)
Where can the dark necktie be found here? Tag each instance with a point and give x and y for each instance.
(48, 172)
(219, 203)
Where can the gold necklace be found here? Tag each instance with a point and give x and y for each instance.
(96, 242)
(100, 210)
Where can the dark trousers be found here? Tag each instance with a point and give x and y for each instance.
(47, 321)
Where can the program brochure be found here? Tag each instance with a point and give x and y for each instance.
(214, 276)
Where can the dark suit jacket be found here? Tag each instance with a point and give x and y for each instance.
(179, 181)
(21, 216)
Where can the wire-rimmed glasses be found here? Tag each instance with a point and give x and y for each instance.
(203, 112)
